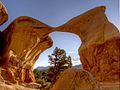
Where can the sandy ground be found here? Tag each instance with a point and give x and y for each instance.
(110, 86)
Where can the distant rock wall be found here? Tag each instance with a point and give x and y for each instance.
(25, 38)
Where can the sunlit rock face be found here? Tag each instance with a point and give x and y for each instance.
(3, 14)
(76, 79)
(20, 45)
(25, 38)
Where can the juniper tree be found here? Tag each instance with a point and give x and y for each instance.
(59, 62)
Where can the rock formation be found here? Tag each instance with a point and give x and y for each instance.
(25, 38)
(3, 14)
(100, 50)
(3, 18)
(73, 79)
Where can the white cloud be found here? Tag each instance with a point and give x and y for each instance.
(71, 52)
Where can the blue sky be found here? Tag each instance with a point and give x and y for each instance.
(55, 13)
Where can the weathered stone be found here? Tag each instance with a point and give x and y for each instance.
(3, 14)
(26, 38)
(1, 78)
(4, 86)
(103, 60)
(31, 85)
(76, 79)
(110, 86)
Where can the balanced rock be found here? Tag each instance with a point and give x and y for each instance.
(76, 79)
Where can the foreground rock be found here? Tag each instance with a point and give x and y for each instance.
(4, 86)
(76, 79)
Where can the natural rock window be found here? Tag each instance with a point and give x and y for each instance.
(64, 40)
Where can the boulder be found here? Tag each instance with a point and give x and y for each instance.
(76, 79)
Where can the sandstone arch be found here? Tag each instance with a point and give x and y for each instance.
(26, 38)
(70, 44)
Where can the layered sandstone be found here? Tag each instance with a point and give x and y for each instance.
(76, 79)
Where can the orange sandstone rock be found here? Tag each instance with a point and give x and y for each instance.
(26, 38)
(100, 48)
(76, 79)
(3, 14)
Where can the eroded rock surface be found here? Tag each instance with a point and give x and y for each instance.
(76, 79)
(3, 14)
(26, 38)
(4, 86)
(103, 60)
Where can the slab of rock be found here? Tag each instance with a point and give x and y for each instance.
(76, 79)
(4, 86)
(110, 86)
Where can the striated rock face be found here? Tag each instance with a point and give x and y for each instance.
(76, 79)
(25, 38)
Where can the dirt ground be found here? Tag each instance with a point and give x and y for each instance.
(110, 86)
